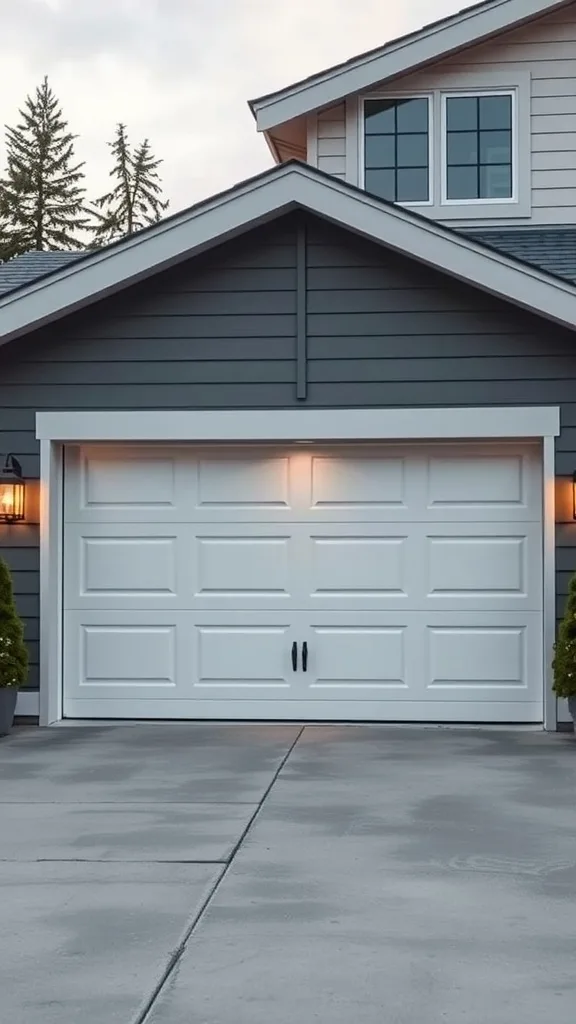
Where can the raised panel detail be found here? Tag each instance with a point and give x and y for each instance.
(353, 483)
(359, 565)
(147, 482)
(477, 657)
(250, 659)
(138, 656)
(244, 483)
(477, 566)
(357, 658)
(138, 566)
(237, 566)
(481, 481)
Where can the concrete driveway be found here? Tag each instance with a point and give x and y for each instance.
(269, 874)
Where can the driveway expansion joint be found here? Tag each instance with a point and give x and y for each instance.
(174, 958)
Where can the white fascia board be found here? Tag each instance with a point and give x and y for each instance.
(198, 427)
(285, 188)
(397, 58)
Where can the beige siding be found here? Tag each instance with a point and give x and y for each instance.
(331, 153)
(547, 50)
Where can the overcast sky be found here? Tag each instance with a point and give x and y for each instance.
(181, 71)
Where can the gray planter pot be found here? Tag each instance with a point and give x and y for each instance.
(8, 696)
(572, 708)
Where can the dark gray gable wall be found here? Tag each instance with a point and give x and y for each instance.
(222, 332)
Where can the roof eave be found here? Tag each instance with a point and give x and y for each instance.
(409, 53)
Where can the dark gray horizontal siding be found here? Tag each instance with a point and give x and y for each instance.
(220, 325)
(391, 300)
(220, 332)
(162, 350)
(262, 371)
(240, 394)
(440, 346)
(441, 393)
(435, 369)
(232, 303)
(276, 275)
(419, 323)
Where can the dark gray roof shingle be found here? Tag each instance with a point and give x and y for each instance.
(549, 249)
(32, 265)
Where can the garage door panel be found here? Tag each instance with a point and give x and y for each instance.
(349, 481)
(361, 566)
(251, 485)
(484, 660)
(246, 566)
(358, 660)
(481, 564)
(476, 482)
(477, 566)
(259, 482)
(137, 484)
(136, 656)
(128, 565)
(243, 660)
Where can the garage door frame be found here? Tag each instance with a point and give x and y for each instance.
(56, 429)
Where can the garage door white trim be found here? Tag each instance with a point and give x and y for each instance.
(54, 429)
(300, 425)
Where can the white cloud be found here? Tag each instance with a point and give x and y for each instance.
(181, 71)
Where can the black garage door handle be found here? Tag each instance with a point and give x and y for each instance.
(304, 657)
(294, 657)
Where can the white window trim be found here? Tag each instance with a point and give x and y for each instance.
(362, 139)
(55, 429)
(437, 85)
(474, 94)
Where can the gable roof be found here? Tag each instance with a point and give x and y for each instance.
(435, 41)
(32, 265)
(262, 199)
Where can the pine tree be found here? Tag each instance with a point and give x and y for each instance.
(41, 195)
(135, 200)
(13, 651)
(564, 664)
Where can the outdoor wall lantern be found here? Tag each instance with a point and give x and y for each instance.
(12, 492)
(574, 495)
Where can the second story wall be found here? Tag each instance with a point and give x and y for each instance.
(538, 62)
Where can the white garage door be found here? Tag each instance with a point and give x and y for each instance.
(359, 583)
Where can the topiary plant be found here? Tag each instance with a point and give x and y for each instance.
(13, 650)
(564, 663)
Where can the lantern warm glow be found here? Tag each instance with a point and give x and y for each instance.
(12, 492)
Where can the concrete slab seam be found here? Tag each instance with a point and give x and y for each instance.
(143, 1013)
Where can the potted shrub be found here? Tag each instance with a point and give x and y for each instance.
(13, 651)
(564, 664)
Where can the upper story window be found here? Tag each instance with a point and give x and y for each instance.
(397, 149)
(456, 151)
(478, 150)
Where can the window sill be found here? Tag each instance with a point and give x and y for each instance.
(475, 211)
